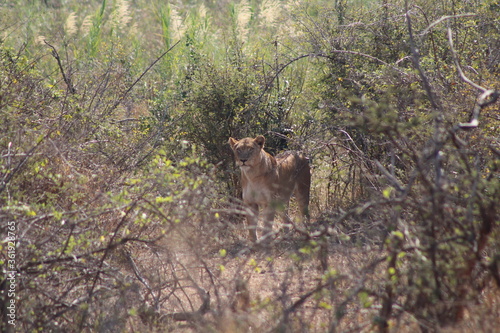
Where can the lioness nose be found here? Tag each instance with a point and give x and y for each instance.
(243, 161)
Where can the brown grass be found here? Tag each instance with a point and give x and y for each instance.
(251, 289)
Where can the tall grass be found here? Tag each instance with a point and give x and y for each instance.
(95, 32)
(171, 23)
(120, 16)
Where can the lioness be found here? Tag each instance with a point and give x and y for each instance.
(268, 182)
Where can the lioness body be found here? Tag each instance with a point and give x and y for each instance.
(268, 182)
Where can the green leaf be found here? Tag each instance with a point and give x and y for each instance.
(164, 199)
(387, 192)
(398, 234)
(325, 305)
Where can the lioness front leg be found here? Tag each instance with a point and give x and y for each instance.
(268, 213)
(253, 221)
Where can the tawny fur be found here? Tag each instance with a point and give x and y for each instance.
(268, 182)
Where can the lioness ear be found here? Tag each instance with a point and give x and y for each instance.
(232, 142)
(260, 141)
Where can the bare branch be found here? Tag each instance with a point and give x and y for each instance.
(487, 97)
(457, 64)
(444, 18)
(122, 97)
(416, 61)
(390, 177)
(66, 78)
(194, 316)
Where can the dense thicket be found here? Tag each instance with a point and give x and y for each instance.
(119, 197)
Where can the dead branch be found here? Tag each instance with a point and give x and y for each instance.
(126, 92)
(139, 276)
(487, 97)
(66, 78)
(416, 62)
(444, 18)
(193, 316)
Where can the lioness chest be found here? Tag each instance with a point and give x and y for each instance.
(257, 193)
(275, 186)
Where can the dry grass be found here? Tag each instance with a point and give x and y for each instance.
(253, 289)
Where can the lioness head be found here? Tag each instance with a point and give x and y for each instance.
(247, 151)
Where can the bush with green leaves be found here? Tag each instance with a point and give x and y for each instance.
(115, 167)
(429, 180)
